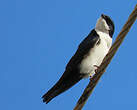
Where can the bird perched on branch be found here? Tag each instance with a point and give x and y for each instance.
(87, 58)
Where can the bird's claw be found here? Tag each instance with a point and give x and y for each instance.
(92, 74)
(96, 68)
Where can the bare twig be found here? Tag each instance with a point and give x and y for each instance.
(93, 81)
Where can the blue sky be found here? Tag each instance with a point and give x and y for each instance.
(37, 39)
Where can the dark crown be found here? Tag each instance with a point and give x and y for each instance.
(110, 24)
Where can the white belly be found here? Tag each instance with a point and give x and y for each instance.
(95, 56)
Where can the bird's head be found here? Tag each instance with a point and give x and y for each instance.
(105, 24)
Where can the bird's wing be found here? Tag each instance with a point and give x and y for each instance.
(83, 49)
(71, 75)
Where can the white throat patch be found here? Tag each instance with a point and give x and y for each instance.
(102, 25)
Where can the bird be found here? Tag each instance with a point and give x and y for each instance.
(88, 57)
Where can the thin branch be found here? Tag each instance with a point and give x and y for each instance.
(94, 80)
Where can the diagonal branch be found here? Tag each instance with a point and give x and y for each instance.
(94, 80)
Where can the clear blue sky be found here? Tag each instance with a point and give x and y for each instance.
(37, 39)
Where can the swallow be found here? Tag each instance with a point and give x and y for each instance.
(88, 57)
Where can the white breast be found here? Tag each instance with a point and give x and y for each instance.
(96, 54)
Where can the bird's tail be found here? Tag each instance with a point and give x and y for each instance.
(65, 82)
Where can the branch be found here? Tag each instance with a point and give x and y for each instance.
(94, 80)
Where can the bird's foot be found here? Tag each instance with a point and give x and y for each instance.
(93, 73)
(96, 68)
